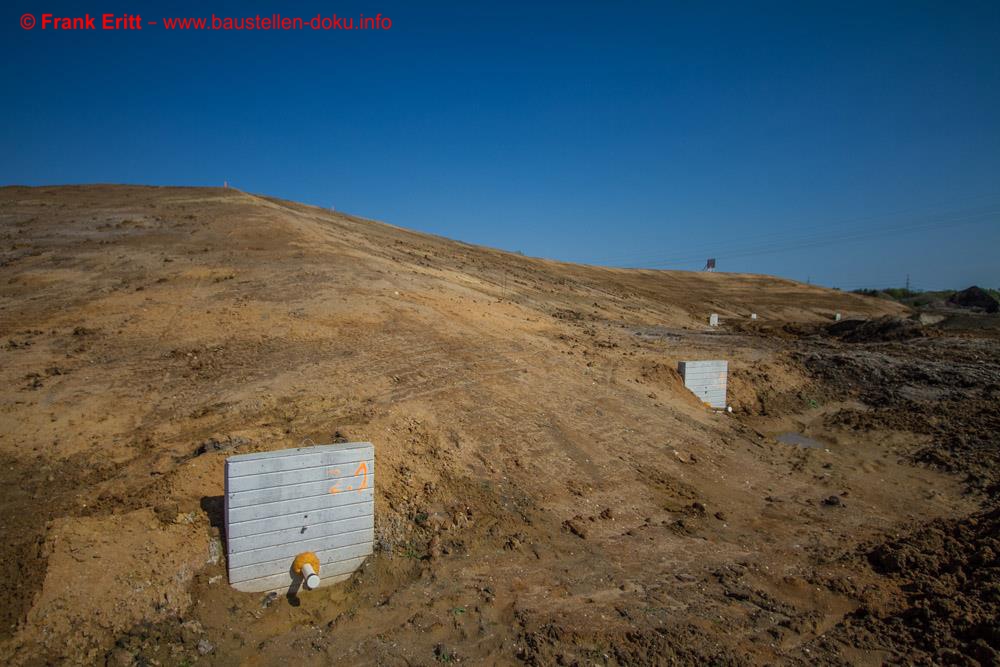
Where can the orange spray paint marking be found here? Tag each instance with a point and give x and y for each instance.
(363, 471)
(334, 489)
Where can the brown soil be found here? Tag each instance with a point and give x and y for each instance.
(548, 492)
(879, 330)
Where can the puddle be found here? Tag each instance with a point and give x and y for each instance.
(799, 440)
(655, 332)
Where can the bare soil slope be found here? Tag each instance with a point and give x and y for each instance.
(548, 492)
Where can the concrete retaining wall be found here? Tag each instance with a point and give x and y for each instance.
(706, 380)
(280, 504)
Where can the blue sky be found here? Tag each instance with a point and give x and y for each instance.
(848, 143)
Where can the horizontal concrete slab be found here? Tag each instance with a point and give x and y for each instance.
(311, 450)
(299, 519)
(298, 476)
(296, 533)
(295, 491)
(313, 503)
(296, 459)
(702, 364)
(331, 562)
(293, 548)
(283, 581)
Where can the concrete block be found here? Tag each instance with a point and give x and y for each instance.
(706, 379)
(280, 504)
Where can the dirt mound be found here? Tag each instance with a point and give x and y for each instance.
(35, 492)
(882, 329)
(940, 387)
(975, 298)
(947, 596)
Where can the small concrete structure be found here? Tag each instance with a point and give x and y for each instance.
(707, 380)
(713, 320)
(313, 505)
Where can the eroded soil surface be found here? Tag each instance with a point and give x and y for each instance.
(548, 492)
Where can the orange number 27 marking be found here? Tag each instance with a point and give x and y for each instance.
(362, 470)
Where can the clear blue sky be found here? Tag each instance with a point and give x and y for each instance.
(653, 134)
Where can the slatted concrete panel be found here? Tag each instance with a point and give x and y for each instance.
(706, 380)
(280, 504)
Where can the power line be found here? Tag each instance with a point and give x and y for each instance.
(827, 233)
(815, 240)
(732, 250)
(845, 223)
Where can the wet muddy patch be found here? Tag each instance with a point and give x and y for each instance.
(799, 440)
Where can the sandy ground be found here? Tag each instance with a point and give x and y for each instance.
(548, 491)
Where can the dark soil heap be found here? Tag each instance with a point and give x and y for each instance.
(975, 297)
(949, 576)
(882, 329)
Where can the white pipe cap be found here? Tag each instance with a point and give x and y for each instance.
(309, 577)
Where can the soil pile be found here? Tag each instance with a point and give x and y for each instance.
(946, 607)
(975, 298)
(882, 329)
(943, 388)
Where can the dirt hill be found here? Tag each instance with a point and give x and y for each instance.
(547, 490)
(975, 297)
